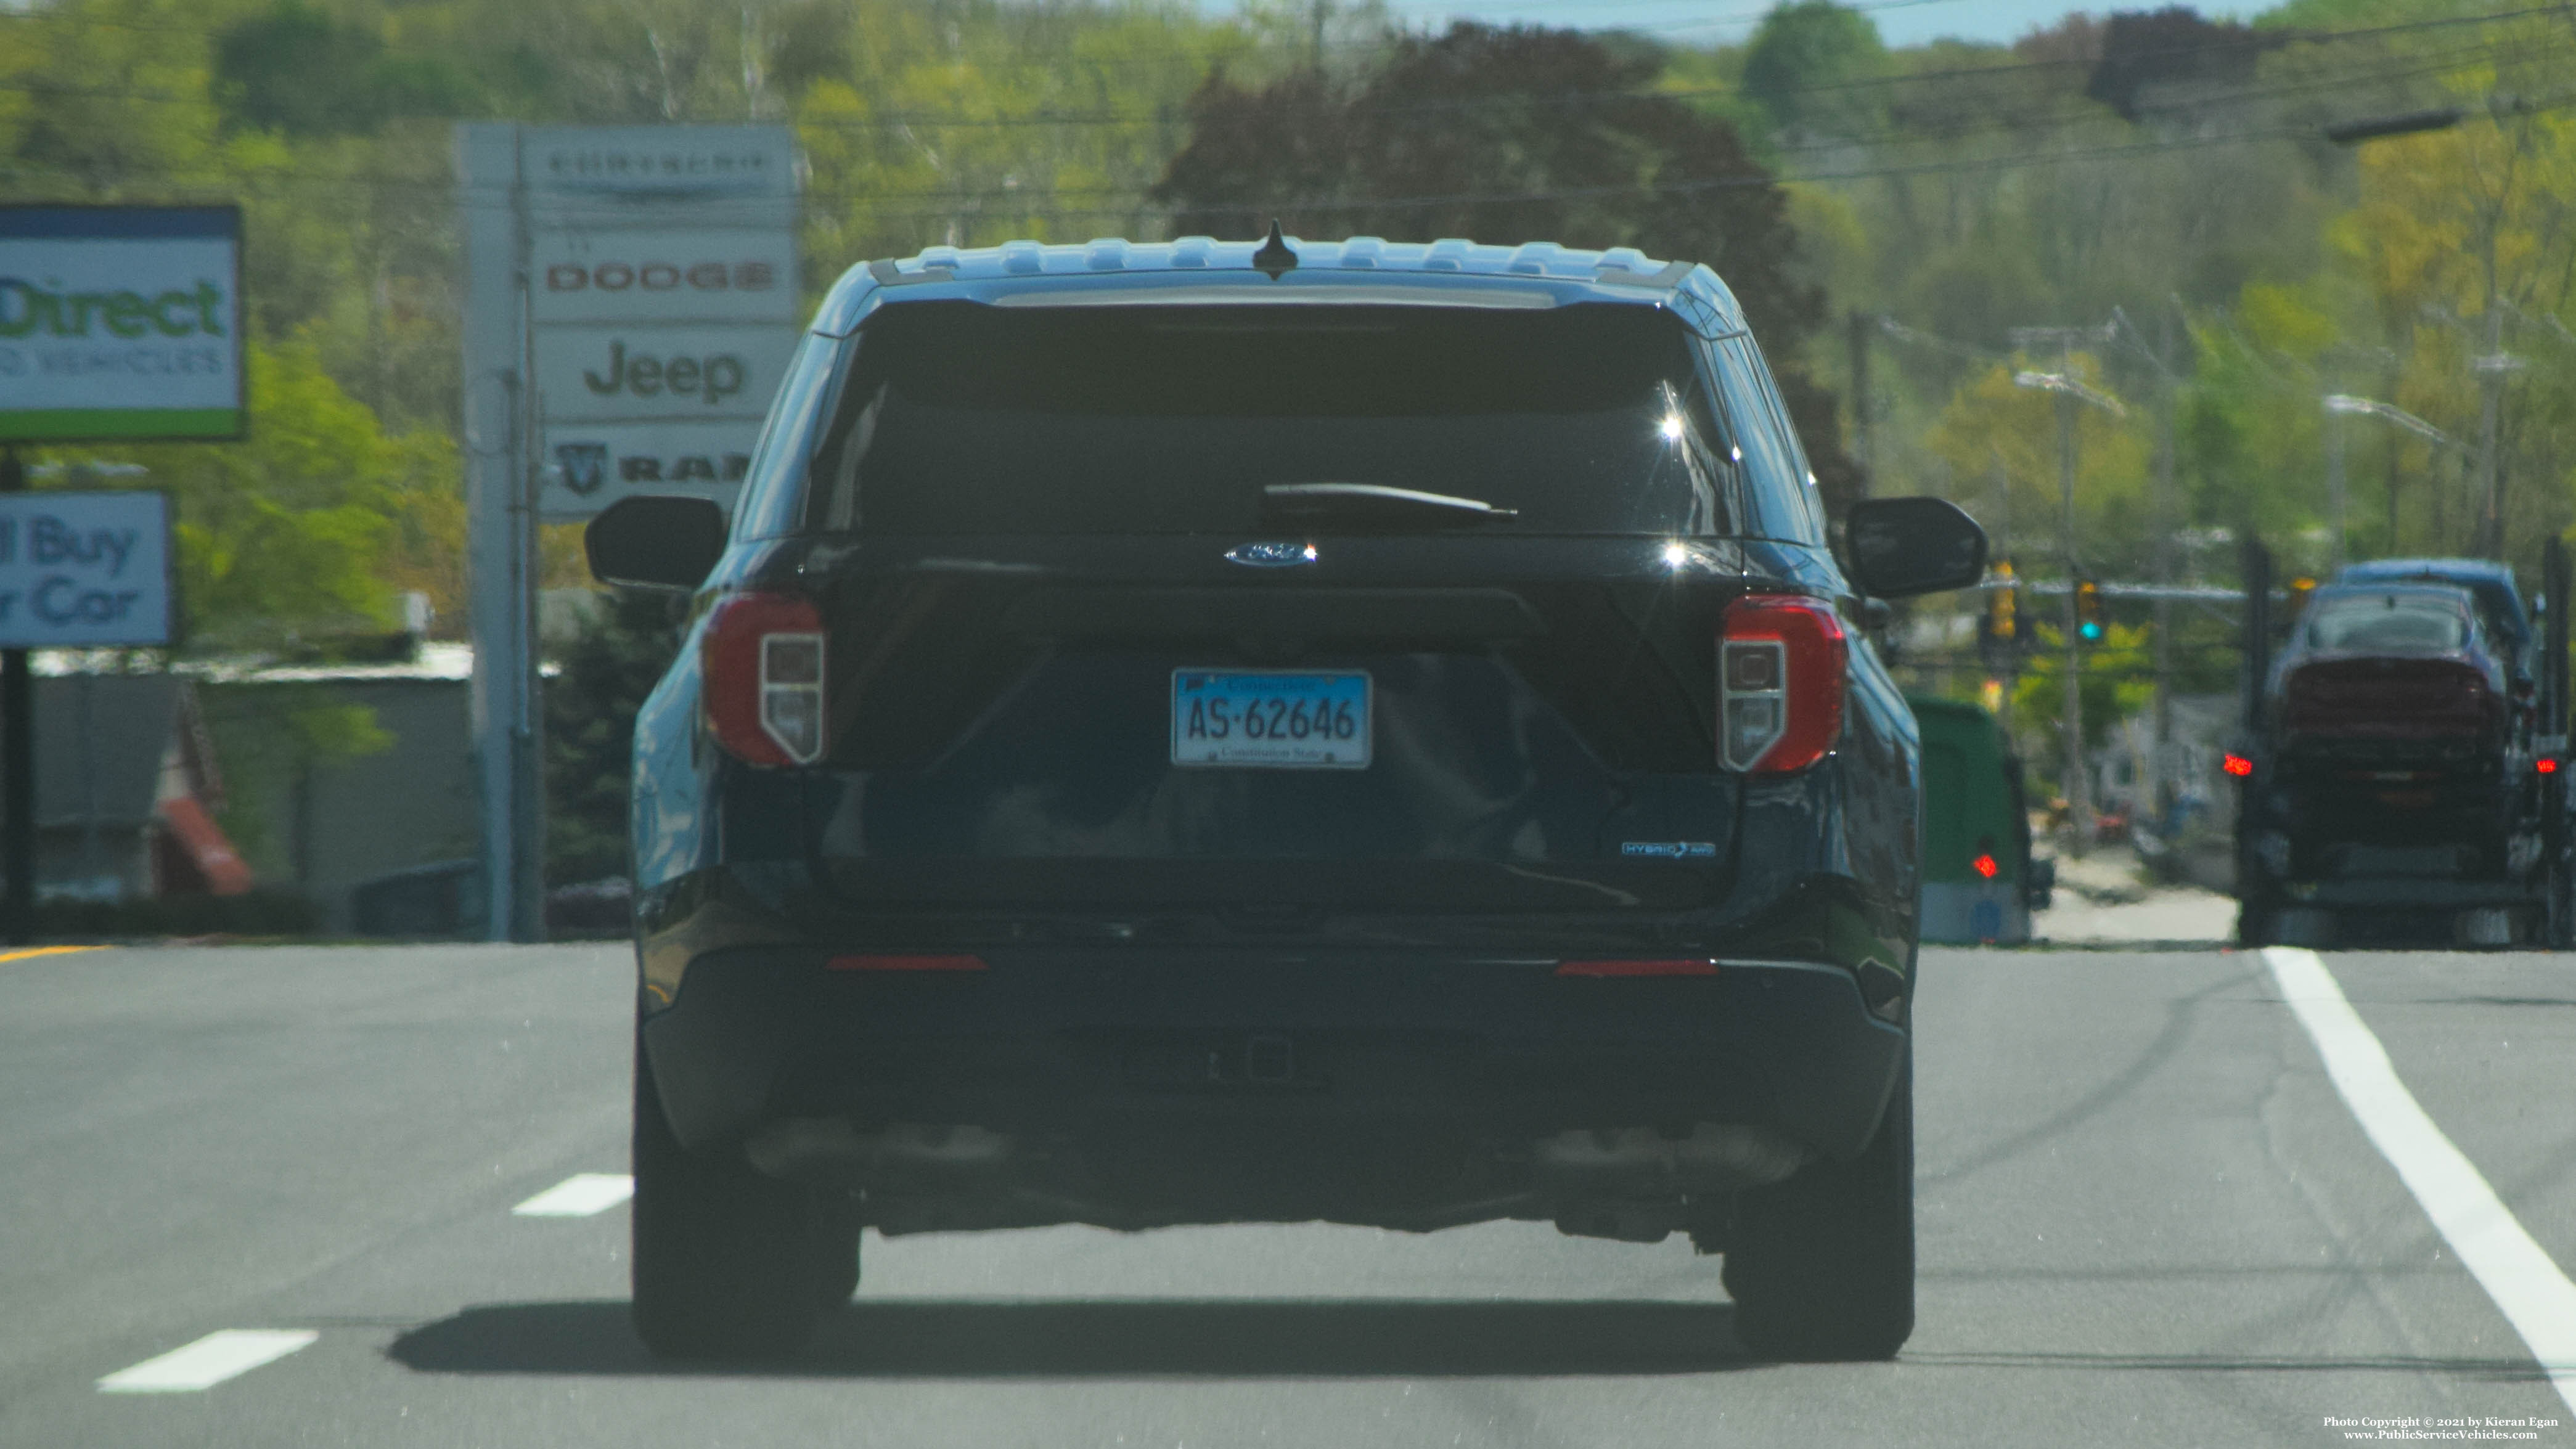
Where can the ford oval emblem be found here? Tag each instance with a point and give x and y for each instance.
(1271, 555)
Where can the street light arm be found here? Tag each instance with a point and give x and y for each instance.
(2346, 403)
(2060, 382)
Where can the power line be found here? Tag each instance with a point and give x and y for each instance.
(1970, 73)
(1166, 115)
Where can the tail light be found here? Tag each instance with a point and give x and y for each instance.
(2237, 765)
(905, 963)
(1780, 661)
(1680, 966)
(763, 660)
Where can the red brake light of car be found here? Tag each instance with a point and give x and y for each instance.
(905, 963)
(763, 662)
(1984, 865)
(1780, 663)
(2545, 765)
(2237, 765)
(1681, 966)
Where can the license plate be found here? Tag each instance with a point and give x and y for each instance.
(1272, 719)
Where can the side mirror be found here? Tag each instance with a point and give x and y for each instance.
(1906, 546)
(650, 541)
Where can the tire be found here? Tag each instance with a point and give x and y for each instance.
(727, 1265)
(2254, 924)
(1821, 1266)
(836, 1250)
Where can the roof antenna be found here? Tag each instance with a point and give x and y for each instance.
(1274, 258)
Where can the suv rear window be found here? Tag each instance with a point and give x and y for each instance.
(2398, 623)
(963, 418)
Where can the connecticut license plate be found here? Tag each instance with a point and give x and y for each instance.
(1270, 719)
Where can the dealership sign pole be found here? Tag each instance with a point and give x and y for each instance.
(632, 300)
(118, 324)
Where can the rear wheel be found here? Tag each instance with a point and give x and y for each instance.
(727, 1264)
(2254, 924)
(836, 1249)
(1821, 1266)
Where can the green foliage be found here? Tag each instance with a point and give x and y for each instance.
(299, 71)
(2112, 680)
(625, 643)
(1802, 64)
(289, 535)
(1512, 134)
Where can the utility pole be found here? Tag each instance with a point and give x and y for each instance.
(17, 761)
(2492, 368)
(2334, 488)
(2167, 519)
(1856, 330)
(2079, 793)
(2069, 391)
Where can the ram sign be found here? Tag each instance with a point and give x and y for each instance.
(120, 323)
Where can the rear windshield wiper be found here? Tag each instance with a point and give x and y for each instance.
(1374, 506)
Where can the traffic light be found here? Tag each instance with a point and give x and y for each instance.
(2089, 623)
(1999, 629)
(2003, 605)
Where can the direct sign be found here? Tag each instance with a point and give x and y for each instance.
(660, 373)
(120, 322)
(84, 570)
(696, 276)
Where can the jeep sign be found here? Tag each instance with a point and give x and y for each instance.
(120, 322)
(651, 374)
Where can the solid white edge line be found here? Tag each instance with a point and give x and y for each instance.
(579, 1196)
(2531, 1290)
(224, 1354)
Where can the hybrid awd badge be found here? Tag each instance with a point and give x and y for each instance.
(1271, 555)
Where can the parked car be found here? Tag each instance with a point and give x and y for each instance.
(1205, 732)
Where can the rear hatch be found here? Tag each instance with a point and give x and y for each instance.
(1281, 611)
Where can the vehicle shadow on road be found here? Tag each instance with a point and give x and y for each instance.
(1151, 1338)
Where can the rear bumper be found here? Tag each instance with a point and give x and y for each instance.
(1087, 1043)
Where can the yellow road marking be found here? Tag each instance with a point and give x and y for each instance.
(6, 956)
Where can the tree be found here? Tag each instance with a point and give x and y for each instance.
(624, 644)
(288, 536)
(1510, 135)
(1803, 65)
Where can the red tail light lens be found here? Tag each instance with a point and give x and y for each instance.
(2545, 765)
(2237, 765)
(1682, 966)
(763, 660)
(1985, 865)
(1780, 663)
(905, 963)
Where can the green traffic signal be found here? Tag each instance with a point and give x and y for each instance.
(2089, 623)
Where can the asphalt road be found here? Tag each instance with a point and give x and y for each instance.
(2147, 1216)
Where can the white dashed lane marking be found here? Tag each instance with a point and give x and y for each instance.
(2517, 1273)
(579, 1196)
(209, 1361)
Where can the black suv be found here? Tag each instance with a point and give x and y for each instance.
(1197, 732)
